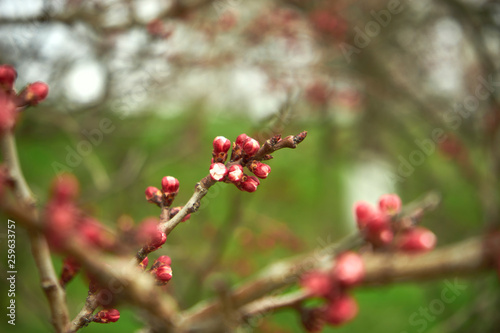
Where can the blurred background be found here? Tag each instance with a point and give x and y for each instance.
(396, 95)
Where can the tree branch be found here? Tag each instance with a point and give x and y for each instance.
(39, 247)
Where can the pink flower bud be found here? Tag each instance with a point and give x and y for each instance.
(7, 77)
(318, 284)
(34, 93)
(259, 169)
(221, 145)
(8, 113)
(149, 233)
(91, 232)
(390, 204)
(163, 260)
(170, 184)
(248, 184)
(363, 212)
(341, 310)
(418, 239)
(349, 268)
(153, 195)
(235, 173)
(65, 188)
(164, 273)
(144, 263)
(107, 316)
(60, 223)
(218, 171)
(251, 147)
(240, 140)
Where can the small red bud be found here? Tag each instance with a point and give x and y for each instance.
(8, 76)
(107, 316)
(341, 310)
(164, 260)
(390, 204)
(349, 268)
(34, 93)
(259, 169)
(363, 212)
(221, 145)
(218, 171)
(251, 147)
(378, 221)
(170, 184)
(153, 195)
(418, 239)
(235, 173)
(240, 140)
(318, 284)
(380, 237)
(164, 273)
(150, 234)
(248, 184)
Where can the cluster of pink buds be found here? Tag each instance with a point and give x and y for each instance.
(243, 155)
(162, 270)
(64, 221)
(11, 102)
(381, 227)
(333, 286)
(106, 316)
(165, 196)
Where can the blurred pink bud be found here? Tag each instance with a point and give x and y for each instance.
(378, 221)
(251, 147)
(418, 239)
(150, 234)
(390, 204)
(349, 268)
(249, 184)
(65, 188)
(8, 76)
(34, 93)
(341, 310)
(69, 269)
(107, 316)
(363, 212)
(318, 284)
(164, 273)
(235, 173)
(218, 171)
(170, 184)
(221, 145)
(380, 237)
